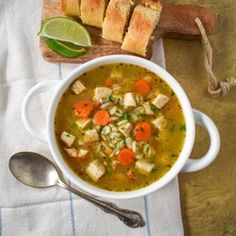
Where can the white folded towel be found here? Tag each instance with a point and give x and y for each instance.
(25, 211)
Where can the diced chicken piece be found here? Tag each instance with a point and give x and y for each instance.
(160, 100)
(76, 153)
(147, 108)
(82, 152)
(77, 87)
(125, 129)
(90, 136)
(102, 94)
(71, 152)
(95, 170)
(159, 122)
(143, 166)
(83, 123)
(129, 100)
(67, 138)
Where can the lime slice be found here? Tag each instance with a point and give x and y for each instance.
(65, 29)
(64, 49)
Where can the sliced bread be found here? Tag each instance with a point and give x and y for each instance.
(71, 7)
(92, 12)
(116, 19)
(143, 22)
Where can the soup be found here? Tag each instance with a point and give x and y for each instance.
(119, 127)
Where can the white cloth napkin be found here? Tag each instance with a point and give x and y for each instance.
(25, 211)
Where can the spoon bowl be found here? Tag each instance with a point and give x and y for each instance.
(33, 170)
(36, 171)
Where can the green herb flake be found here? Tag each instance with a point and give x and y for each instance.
(125, 116)
(109, 169)
(100, 129)
(173, 155)
(153, 107)
(154, 170)
(132, 135)
(110, 98)
(182, 127)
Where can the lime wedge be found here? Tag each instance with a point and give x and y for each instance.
(64, 49)
(65, 29)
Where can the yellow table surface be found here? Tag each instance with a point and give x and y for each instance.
(208, 197)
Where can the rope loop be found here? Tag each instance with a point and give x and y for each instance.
(216, 88)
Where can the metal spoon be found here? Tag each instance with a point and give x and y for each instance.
(36, 171)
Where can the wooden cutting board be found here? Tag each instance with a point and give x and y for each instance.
(176, 21)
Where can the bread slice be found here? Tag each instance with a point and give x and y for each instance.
(116, 19)
(71, 7)
(92, 12)
(143, 22)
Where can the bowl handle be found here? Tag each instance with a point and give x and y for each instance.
(36, 131)
(198, 164)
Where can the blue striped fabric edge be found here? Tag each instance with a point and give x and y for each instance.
(72, 214)
(147, 215)
(1, 222)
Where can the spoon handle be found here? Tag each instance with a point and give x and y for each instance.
(131, 218)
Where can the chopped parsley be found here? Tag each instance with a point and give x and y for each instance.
(109, 169)
(154, 170)
(153, 107)
(182, 127)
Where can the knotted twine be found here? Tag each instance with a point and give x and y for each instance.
(216, 88)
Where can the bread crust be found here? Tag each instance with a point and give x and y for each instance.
(154, 4)
(116, 19)
(92, 12)
(143, 22)
(71, 7)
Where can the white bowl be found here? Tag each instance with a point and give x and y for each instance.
(183, 163)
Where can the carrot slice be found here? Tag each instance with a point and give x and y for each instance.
(109, 83)
(143, 131)
(83, 108)
(102, 117)
(142, 86)
(126, 157)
